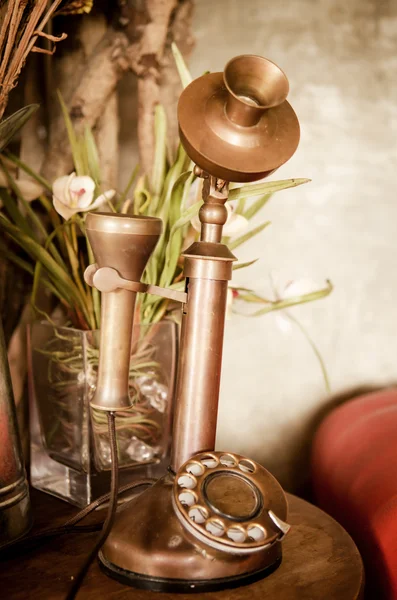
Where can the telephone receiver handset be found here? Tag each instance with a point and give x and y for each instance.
(230, 503)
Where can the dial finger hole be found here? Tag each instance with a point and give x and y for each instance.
(187, 481)
(209, 461)
(237, 534)
(198, 514)
(246, 466)
(256, 533)
(187, 498)
(227, 460)
(215, 527)
(195, 468)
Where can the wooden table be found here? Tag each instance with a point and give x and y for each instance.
(320, 562)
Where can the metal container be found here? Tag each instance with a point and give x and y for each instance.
(15, 515)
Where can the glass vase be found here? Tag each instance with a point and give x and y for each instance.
(70, 451)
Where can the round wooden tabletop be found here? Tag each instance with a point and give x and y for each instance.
(320, 561)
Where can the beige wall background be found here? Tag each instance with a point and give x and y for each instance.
(341, 60)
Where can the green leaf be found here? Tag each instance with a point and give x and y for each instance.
(130, 183)
(240, 206)
(174, 245)
(295, 300)
(91, 152)
(238, 266)
(183, 71)
(178, 196)
(12, 124)
(248, 191)
(145, 207)
(73, 141)
(315, 349)
(36, 282)
(17, 260)
(17, 161)
(172, 176)
(160, 134)
(256, 206)
(12, 209)
(23, 264)
(247, 295)
(247, 236)
(58, 276)
(142, 196)
(188, 215)
(32, 214)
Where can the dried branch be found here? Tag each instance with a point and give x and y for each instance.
(143, 47)
(19, 36)
(97, 83)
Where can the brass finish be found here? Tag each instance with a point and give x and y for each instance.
(237, 125)
(15, 515)
(123, 243)
(222, 491)
(221, 518)
(107, 279)
(234, 496)
(203, 320)
(148, 539)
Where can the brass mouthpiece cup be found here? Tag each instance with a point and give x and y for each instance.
(237, 125)
(254, 85)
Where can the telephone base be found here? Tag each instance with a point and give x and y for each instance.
(185, 586)
(150, 546)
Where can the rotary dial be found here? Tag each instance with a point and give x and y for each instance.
(230, 502)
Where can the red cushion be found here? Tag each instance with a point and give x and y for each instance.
(354, 468)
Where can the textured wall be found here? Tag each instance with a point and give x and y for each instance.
(341, 60)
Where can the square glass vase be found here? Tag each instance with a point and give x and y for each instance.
(70, 451)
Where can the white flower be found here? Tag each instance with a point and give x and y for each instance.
(73, 194)
(235, 223)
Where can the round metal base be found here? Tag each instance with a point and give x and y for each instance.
(185, 586)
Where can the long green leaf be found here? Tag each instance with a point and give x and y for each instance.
(12, 124)
(91, 152)
(17, 161)
(127, 188)
(17, 260)
(73, 141)
(172, 176)
(57, 274)
(158, 172)
(256, 206)
(183, 71)
(170, 180)
(12, 209)
(23, 264)
(248, 191)
(315, 349)
(179, 194)
(32, 215)
(188, 215)
(295, 300)
(238, 266)
(36, 282)
(175, 240)
(247, 236)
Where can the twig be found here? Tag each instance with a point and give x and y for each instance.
(10, 38)
(10, 68)
(10, 8)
